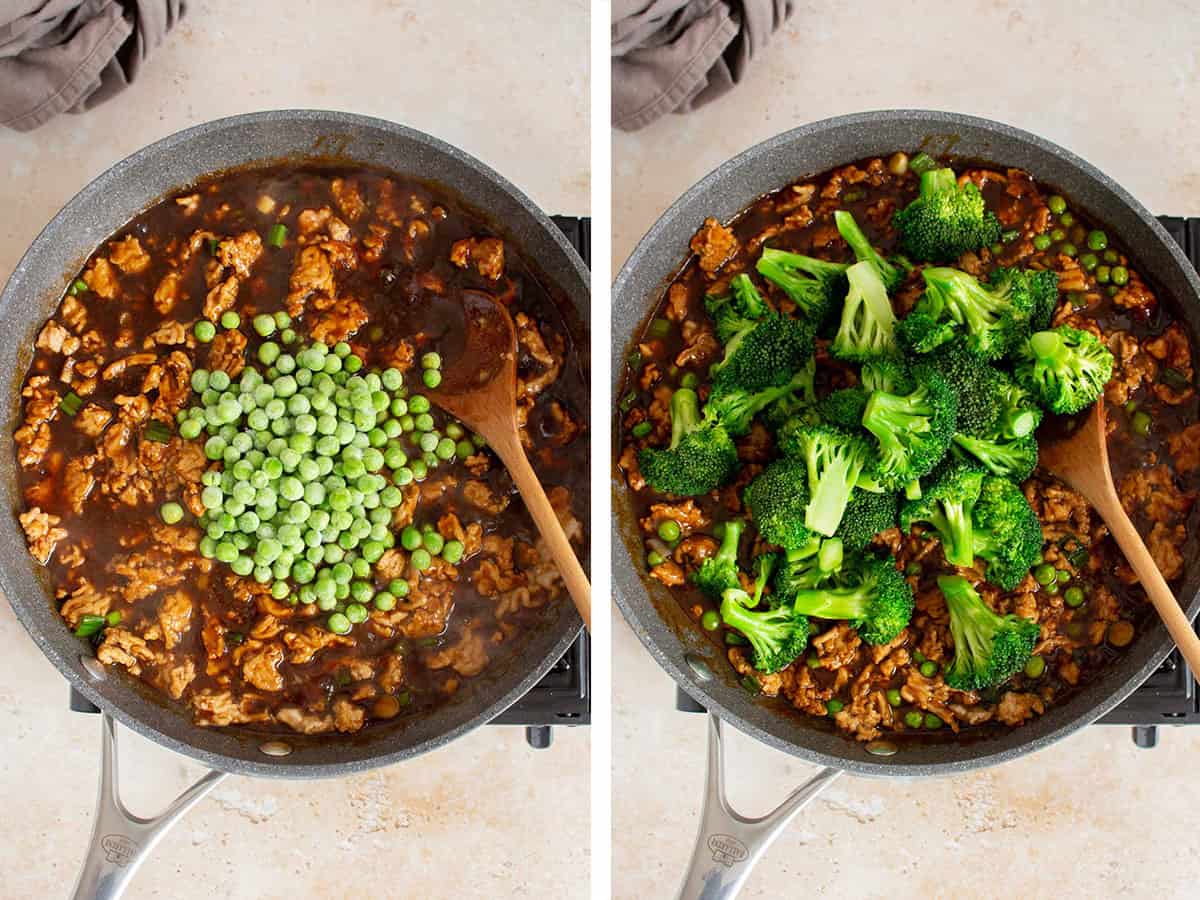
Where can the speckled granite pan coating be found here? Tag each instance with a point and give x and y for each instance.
(34, 289)
(653, 612)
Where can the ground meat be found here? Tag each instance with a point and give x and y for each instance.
(167, 334)
(41, 406)
(347, 716)
(228, 353)
(482, 497)
(669, 573)
(220, 708)
(85, 600)
(304, 645)
(78, 481)
(338, 320)
(487, 254)
(166, 295)
(348, 197)
(687, 514)
(1154, 490)
(837, 647)
(677, 303)
(127, 255)
(1185, 449)
(1135, 296)
(468, 655)
(304, 722)
(241, 252)
(146, 573)
(175, 617)
(931, 695)
(173, 681)
(1164, 543)
(1015, 708)
(260, 668)
(122, 647)
(312, 274)
(1131, 367)
(101, 279)
(715, 245)
(41, 533)
(702, 348)
(221, 298)
(56, 339)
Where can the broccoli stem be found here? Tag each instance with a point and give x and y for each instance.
(1017, 423)
(685, 414)
(960, 528)
(936, 181)
(1047, 346)
(888, 416)
(827, 503)
(912, 490)
(850, 603)
(731, 537)
(829, 557)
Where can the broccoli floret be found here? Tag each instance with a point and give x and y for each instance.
(867, 514)
(719, 572)
(1014, 458)
(867, 328)
(814, 565)
(988, 648)
(993, 318)
(1035, 291)
(700, 457)
(890, 275)
(834, 459)
(777, 636)
(947, 502)
(945, 220)
(814, 285)
(1008, 534)
(844, 408)
(797, 402)
(735, 408)
(876, 600)
(777, 500)
(920, 332)
(736, 312)
(1064, 369)
(886, 374)
(913, 430)
(765, 356)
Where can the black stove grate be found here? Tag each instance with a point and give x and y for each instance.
(564, 696)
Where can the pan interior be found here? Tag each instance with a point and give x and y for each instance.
(668, 633)
(106, 205)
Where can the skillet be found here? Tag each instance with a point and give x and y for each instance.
(729, 844)
(33, 291)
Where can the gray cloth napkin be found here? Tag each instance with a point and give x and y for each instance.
(69, 55)
(677, 55)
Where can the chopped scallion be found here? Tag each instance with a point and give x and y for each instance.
(922, 163)
(90, 625)
(158, 432)
(277, 235)
(71, 404)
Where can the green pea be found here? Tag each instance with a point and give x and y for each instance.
(1089, 261)
(464, 449)
(1042, 242)
(421, 560)
(1120, 275)
(1068, 249)
(1062, 576)
(929, 668)
(1103, 273)
(1067, 219)
(410, 538)
(431, 378)
(1034, 667)
(230, 320)
(654, 558)
(268, 352)
(1056, 204)
(1045, 574)
(433, 542)
(1074, 596)
(384, 601)
(399, 587)
(171, 513)
(339, 623)
(1139, 423)
(669, 530)
(1097, 240)
(932, 722)
(205, 331)
(1057, 234)
(893, 697)
(264, 325)
(356, 612)
(452, 552)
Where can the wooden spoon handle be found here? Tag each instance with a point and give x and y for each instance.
(1154, 584)
(546, 520)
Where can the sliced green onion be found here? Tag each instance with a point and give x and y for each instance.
(213, 243)
(71, 404)
(659, 328)
(158, 432)
(113, 618)
(90, 625)
(277, 235)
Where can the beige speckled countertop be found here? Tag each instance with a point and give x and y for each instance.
(1092, 816)
(478, 818)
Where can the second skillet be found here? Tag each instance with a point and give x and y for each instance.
(728, 845)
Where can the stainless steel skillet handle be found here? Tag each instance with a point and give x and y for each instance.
(120, 840)
(728, 845)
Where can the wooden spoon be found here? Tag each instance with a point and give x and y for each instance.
(1081, 460)
(480, 389)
